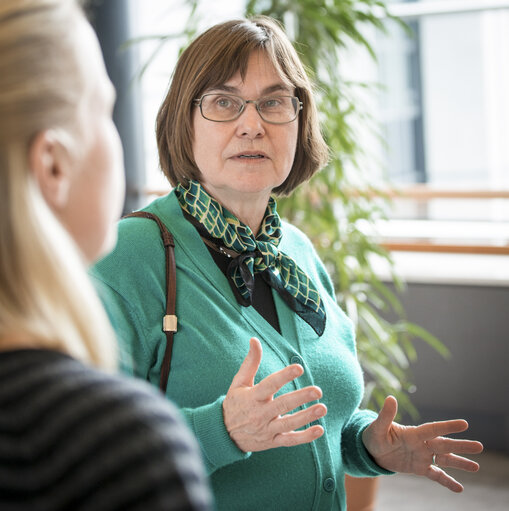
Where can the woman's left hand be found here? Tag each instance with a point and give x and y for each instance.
(421, 450)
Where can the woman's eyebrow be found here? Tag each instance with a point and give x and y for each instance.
(278, 87)
(230, 89)
(224, 88)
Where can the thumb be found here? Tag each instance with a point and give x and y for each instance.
(247, 372)
(387, 413)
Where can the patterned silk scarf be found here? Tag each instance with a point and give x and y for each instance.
(255, 254)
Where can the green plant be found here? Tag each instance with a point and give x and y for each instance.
(332, 216)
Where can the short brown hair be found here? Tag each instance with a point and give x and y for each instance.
(210, 61)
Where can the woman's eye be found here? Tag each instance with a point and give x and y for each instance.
(271, 103)
(223, 102)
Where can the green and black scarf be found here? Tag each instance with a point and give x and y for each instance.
(258, 254)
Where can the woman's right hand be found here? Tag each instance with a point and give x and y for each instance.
(257, 421)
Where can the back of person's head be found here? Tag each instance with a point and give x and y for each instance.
(46, 298)
(210, 61)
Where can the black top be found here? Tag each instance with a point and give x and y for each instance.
(262, 299)
(74, 438)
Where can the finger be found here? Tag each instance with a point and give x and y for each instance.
(442, 445)
(298, 437)
(439, 476)
(299, 419)
(288, 402)
(247, 372)
(458, 462)
(431, 430)
(275, 381)
(387, 413)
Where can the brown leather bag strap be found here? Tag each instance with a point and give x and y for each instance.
(170, 319)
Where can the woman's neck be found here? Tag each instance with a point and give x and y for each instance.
(248, 208)
(12, 341)
(248, 215)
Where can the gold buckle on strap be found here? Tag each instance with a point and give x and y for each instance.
(170, 323)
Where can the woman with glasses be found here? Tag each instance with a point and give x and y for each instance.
(279, 427)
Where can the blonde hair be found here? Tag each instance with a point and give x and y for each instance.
(46, 297)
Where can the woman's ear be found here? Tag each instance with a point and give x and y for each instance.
(49, 163)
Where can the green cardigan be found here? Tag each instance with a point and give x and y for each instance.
(210, 345)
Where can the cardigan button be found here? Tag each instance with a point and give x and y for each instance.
(296, 360)
(329, 484)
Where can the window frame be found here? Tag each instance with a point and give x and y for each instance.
(424, 193)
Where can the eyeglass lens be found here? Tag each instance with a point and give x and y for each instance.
(227, 107)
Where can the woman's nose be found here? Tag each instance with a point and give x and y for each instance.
(250, 124)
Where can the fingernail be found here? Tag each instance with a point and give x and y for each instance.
(317, 431)
(297, 370)
(321, 411)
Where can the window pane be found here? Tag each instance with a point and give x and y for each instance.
(444, 107)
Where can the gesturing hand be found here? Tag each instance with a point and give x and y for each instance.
(257, 421)
(420, 450)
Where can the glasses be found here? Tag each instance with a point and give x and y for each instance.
(227, 107)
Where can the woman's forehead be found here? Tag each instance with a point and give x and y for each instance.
(258, 66)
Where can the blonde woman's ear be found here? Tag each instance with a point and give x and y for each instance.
(51, 167)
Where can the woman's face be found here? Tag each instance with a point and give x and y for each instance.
(97, 186)
(223, 151)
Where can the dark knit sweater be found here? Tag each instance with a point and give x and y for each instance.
(74, 438)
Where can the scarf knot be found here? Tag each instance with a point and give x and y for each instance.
(257, 254)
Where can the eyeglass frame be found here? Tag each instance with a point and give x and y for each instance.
(198, 102)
